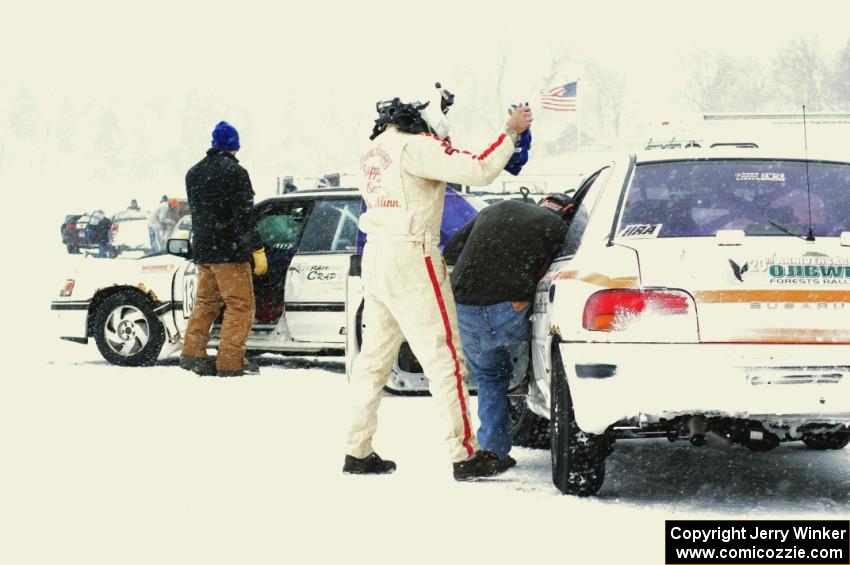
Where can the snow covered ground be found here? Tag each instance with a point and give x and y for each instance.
(104, 464)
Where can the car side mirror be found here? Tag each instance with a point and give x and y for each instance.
(179, 247)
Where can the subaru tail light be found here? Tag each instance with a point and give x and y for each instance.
(617, 309)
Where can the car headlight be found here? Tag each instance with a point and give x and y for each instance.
(67, 289)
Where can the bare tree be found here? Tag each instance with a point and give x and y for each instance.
(608, 89)
(557, 139)
(839, 82)
(800, 74)
(720, 82)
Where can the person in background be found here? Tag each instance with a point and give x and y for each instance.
(134, 206)
(224, 240)
(164, 221)
(498, 258)
(99, 226)
(405, 284)
(155, 227)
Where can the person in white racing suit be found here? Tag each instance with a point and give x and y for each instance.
(407, 291)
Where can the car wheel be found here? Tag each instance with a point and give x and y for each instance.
(578, 458)
(827, 440)
(529, 429)
(72, 248)
(127, 331)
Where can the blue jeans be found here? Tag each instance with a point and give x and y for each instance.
(154, 240)
(486, 333)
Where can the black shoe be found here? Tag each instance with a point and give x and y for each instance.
(372, 464)
(250, 366)
(481, 464)
(507, 462)
(238, 373)
(203, 366)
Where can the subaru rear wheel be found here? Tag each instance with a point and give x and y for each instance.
(578, 458)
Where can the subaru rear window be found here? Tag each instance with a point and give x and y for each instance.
(760, 197)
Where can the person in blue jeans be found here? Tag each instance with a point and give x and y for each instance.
(498, 257)
(487, 334)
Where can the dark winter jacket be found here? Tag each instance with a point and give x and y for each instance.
(502, 252)
(221, 202)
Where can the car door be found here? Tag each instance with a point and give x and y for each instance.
(585, 198)
(315, 280)
(280, 225)
(183, 287)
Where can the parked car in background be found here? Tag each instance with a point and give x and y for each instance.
(129, 232)
(70, 234)
(183, 228)
(406, 375)
(93, 232)
(136, 311)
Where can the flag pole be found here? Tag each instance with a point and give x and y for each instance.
(578, 120)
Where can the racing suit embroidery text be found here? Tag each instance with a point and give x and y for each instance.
(373, 163)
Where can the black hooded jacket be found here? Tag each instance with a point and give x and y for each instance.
(502, 252)
(221, 201)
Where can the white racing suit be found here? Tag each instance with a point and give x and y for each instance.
(407, 291)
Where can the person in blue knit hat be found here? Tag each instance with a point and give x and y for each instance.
(225, 243)
(225, 137)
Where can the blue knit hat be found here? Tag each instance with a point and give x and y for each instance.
(225, 137)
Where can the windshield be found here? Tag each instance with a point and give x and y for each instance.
(699, 198)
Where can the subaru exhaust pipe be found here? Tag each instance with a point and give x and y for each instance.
(696, 430)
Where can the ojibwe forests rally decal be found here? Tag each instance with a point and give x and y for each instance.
(373, 163)
(820, 271)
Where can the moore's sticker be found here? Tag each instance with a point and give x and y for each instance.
(761, 177)
(641, 231)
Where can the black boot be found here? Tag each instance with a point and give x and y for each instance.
(250, 366)
(203, 366)
(507, 461)
(482, 464)
(372, 464)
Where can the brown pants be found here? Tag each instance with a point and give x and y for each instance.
(229, 285)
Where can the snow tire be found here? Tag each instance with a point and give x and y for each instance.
(529, 429)
(578, 458)
(127, 331)
(823, 441)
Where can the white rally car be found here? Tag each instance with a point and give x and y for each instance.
(696, 292)
(136, 310)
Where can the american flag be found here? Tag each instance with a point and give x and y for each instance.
(561, 98)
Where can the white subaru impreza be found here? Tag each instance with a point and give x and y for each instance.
(696, 292)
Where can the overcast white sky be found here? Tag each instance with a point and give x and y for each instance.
(310, 72)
